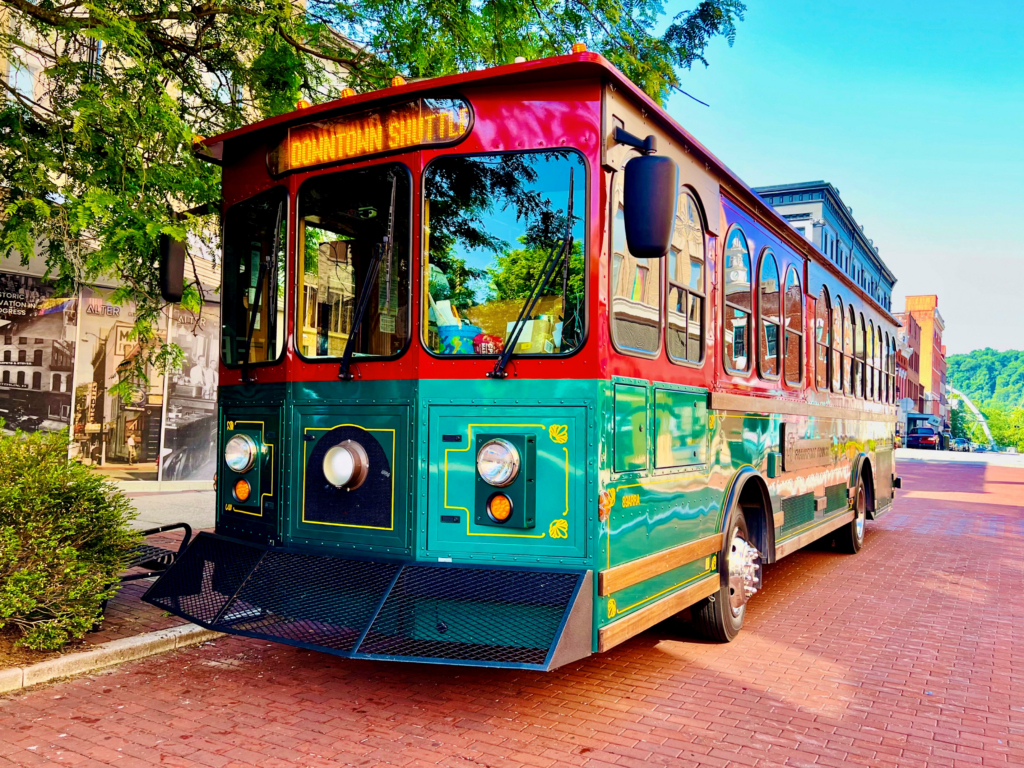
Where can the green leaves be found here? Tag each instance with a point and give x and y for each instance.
(64, 538)
(97, 161)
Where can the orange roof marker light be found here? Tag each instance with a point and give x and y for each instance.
(302, 104)
(347, 93)
(397, 80)
(520, 59)
(579, 47)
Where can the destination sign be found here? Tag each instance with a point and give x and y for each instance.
(419, 123)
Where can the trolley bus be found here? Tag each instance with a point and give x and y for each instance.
(513, 368)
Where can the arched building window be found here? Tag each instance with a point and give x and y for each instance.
(822, 338)
(793, 324)
(736, 324)
(769, 308)
(684, 334)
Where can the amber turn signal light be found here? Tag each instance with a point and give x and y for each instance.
(579, 47)
(242, 491)
(499, 507)
(397, 80)
(347, 93)
(302, 104)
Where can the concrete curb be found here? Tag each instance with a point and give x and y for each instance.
(106, 655)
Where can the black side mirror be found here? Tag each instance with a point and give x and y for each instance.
(649, 199)
(172, 269)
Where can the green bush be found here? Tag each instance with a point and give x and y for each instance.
(64, 538)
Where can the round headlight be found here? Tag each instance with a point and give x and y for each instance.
(498, 462)
(240, 453)
(346, 465)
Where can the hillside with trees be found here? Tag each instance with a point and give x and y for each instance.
(995, 383)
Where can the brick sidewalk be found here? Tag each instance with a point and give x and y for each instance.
(909, 654)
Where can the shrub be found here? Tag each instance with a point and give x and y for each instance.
(64, 538)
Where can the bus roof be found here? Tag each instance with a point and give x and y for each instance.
(577, 66)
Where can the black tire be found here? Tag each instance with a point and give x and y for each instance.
(713, 617)
(850, 538)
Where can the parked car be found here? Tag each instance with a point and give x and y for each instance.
(962, 444)
(923, 437)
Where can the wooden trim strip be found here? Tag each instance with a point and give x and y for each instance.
(621, 630)
(628, 574)
(790, 546)
(728, 401)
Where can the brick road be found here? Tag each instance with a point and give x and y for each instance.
(908, 654)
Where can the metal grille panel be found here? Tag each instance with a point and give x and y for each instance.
(457, 614)
(311, 600)
(204, 578)
(799, 510)
(837, 500)
(483, 615)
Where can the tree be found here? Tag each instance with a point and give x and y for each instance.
(96, 162)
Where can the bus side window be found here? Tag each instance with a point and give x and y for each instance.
(822, 339)
(793, 319)
(736, 338)
(769, 310)
(684, 334)
(635, 292)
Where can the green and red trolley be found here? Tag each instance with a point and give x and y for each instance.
(513, 368)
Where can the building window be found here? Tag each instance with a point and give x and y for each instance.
(23, 339)
(837, 344)
(736, 326)
(769, 310)
(685, 330)
(55, 383)
(822, 340)
(37, 357)
(37, 380)
(7, 377)
(793, 322)
(22, 356)
(802, 231)
(7, 355)
(21, 378)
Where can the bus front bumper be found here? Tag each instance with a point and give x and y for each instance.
(441, 613)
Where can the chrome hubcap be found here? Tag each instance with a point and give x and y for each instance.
(860, 514)
(744, 573)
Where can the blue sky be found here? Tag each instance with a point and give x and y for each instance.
(914, 110)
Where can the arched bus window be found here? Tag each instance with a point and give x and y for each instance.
(684, 340)
(892, 369)
(769, 307)
(822, 338)
(849, 323)
(793, 323)
(869, 353)
(736, 336)
(882, 348)
(885, 366)
(837, 344)
(858, 351)
(636, 292)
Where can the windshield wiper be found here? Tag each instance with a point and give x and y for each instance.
(380, 252)
(561, 249)
(254, 309)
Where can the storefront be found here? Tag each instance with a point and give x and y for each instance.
(59, 357)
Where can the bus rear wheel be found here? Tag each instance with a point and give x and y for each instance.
(720, 616)
(850, 538)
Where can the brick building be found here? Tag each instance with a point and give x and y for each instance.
(924, 311)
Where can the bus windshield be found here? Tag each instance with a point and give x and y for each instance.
(254, 273)
(490, 222)
(343, 218)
